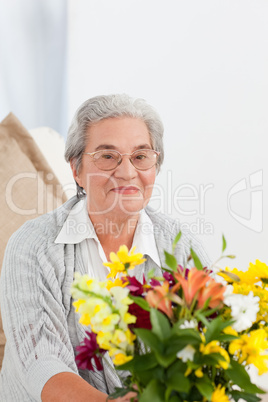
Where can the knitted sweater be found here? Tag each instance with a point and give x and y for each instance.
(40, 325)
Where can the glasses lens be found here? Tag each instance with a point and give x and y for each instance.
(106, 160)
(144, 159)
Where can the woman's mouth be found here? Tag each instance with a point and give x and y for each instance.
(125, 190)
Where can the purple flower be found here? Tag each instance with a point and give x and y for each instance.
(87, 351)
(135, 287)
(186, 271)
(154, 282)
(169, 277)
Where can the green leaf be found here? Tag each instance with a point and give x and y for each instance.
(150, 274)
(171, 261)
(196, 259)
(150, 339)
(223, 243)
(145, 376)
(200, 316)
(264, 280)
(230, 256)
(178, 382)
(118, 392)
(181, 338)
(139, 362)
(155, 392)
(209, 312)
(176, 240)
(226, 338)
(165, 359)
(215, 327)
(177, 367)
(238, 395)
(205, 387)
(210, 360)
(160, 324)
(174, 398)
(240, 377)
(140, 301)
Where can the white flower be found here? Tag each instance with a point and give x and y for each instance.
(244, 310)
(186, 354)
(229, 291)
(188, 324)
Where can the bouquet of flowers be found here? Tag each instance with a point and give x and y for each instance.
(189, 335)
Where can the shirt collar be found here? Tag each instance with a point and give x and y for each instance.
(79, 227)
(144, 239)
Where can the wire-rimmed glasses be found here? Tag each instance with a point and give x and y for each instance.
(107, 159)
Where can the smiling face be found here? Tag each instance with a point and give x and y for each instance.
(123, 190)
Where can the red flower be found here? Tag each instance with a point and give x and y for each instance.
(213, 291)
(169, 277)
(135, 287)
(191, 286)
(154, 283)
(143, 317)
(87, 351)
(159, 298)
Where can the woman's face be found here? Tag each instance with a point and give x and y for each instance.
(123, 190)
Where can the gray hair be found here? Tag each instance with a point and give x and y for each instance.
(110, 106)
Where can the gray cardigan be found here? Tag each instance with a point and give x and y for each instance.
(40, 325)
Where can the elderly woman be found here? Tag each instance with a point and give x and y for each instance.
(115, 150)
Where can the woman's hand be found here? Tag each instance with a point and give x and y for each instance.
(129, 397)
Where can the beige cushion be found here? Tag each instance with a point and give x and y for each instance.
(28, 186)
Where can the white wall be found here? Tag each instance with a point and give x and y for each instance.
(33, 41)
(204, 66)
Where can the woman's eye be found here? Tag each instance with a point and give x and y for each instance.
(140, 156)
(107, 156)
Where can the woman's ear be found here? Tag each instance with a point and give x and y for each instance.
(75, 172)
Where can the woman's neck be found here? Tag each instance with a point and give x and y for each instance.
(113, 231)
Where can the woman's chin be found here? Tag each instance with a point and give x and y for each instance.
(128, 208)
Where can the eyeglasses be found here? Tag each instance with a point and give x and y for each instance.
(142, 159)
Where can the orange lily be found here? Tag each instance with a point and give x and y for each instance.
(191, 286)
(214, 291)
(158, 297)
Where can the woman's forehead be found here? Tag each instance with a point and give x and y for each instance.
(114, 133)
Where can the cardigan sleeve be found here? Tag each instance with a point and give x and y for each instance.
(33, 310)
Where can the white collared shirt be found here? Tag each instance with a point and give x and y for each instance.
(78, 229)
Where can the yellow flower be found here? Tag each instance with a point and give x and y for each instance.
(123, 339)
(104, 321)
(214, 347)
(251, 348)
(199, 372)
(104, 340)
(77, 304)
(116, 282)
(259, 270)
(187, 372)
(89, 308)
(121, 358)
(236, 276)
(123, 260)
(230, 331)
(129, 318)
(130, 336)
(219, 395)
(85, 319)
(84, 285)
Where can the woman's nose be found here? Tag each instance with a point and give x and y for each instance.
(125, 170)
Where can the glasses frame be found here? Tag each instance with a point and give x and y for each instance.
(91, 154)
